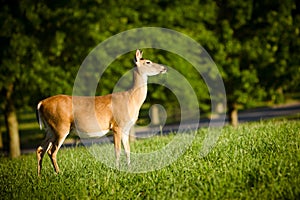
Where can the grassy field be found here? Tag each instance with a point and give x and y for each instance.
(255, 161)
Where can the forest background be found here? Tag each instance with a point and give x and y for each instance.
(255, 45)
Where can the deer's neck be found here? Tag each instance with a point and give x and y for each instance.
(138, 91)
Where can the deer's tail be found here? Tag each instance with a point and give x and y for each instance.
(38, 115)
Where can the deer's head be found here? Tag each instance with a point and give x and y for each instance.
(147, 67)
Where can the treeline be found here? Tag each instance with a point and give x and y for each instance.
(255, 45)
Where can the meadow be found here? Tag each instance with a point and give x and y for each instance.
(258, 160)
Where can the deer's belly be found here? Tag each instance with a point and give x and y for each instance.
(83, 134)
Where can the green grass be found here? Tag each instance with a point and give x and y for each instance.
(255, 161)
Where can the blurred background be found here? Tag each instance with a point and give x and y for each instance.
(255, 45)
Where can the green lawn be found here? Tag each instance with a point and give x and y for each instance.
(255, 161)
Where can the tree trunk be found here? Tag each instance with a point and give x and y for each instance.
(12, 125)
(1, 139)
(233, 115)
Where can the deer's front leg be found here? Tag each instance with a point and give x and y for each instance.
(125, 141)
(117, 145)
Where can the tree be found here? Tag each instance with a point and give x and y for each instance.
(254, 50)
(13, 60)
(255, 44)
(279, 34)
(18, 53)
(233, 55)
(38, 55)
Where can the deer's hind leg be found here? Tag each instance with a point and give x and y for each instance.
(60, 137)
(43, 148)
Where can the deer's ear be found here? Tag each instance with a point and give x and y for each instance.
(138, 55)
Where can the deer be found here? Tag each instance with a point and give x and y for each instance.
(95, 116)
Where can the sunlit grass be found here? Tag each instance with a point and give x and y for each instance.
(255, 161)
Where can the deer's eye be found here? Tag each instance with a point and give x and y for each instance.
(148, 62)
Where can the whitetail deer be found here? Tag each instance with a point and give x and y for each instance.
(95, 116)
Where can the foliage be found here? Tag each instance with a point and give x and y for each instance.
(251, 42)
(38, 54)
(255, 45)
(255, 52)
(255, 161)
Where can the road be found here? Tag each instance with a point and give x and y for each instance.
(256, 114)
(244, 116)
(269, 112)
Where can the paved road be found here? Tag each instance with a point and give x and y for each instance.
(244, 116)
(269, 112)
(256, 114)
